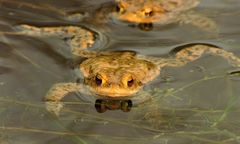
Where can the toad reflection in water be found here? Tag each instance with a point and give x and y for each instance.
(103, 105)
(120, 75)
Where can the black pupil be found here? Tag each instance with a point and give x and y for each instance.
(98, 81)
(130, 82)
(117, 8)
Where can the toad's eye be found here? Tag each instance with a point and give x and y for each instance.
(120, 8)
(98, 80)
(130, 83)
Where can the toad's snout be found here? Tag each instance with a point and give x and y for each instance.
(115, 90)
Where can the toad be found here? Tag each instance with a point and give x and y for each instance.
(163, 12)
(116, 74)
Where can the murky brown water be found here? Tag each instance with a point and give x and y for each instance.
(197, 103)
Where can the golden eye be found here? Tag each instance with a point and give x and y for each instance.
(98, 80)
(120, 8)
(130, 82)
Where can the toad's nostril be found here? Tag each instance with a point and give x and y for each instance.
(109, 84)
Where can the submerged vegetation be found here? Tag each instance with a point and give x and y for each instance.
(163, 123)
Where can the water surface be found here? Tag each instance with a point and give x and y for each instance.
(197, 103)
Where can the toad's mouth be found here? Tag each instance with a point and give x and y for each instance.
(115, 93)
(138, 19)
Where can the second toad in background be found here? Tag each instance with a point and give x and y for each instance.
(159, 12)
